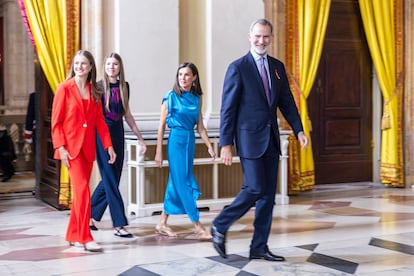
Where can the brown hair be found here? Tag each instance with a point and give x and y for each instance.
(122, 83)
(196, 87)
(96, 90)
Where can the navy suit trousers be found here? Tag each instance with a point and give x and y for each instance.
(259, 190)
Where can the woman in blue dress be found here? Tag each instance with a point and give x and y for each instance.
(181, 111)
(115, 108)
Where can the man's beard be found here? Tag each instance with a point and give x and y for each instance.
(260, 51)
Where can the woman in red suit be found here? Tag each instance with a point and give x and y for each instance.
(76, 116)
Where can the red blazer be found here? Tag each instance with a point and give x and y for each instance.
(73, 126)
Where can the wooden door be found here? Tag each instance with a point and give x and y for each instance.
(47, 169)
(1, 64)
(340, 105)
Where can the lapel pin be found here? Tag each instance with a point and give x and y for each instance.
(277, 74)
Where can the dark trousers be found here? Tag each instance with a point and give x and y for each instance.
(6, 166)
(107, 192)
(258, 189)
(7, 154)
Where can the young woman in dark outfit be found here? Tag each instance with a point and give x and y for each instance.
(115, 108)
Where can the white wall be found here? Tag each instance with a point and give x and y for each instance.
(146, 34)
(229, 23)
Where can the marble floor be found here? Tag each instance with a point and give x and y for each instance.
(342, 229)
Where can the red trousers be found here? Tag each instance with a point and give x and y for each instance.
(78, 228)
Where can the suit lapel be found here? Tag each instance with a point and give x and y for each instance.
(256, 72)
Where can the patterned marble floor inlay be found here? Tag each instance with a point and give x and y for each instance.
(310, 247)
(232, 260)
(332, 262)
(15, 234)
(41, 254)
(329, 204)
(403, 248)
(136, 270)
(340, 229)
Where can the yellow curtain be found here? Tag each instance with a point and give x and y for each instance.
(310, 21)
(383, 30)
(54, 25)
(47, 22)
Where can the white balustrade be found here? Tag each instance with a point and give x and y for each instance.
(137, 205)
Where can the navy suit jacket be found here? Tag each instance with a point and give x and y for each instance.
(247, 120)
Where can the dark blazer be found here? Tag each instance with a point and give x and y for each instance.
(247, 120)
(75, 128)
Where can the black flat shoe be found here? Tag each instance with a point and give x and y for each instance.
(219, 242)
(92, 226)
(121, 232)
(267, 256)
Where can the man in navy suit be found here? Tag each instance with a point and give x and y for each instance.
(255, 85)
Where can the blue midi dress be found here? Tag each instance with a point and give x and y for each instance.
(182, 190)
